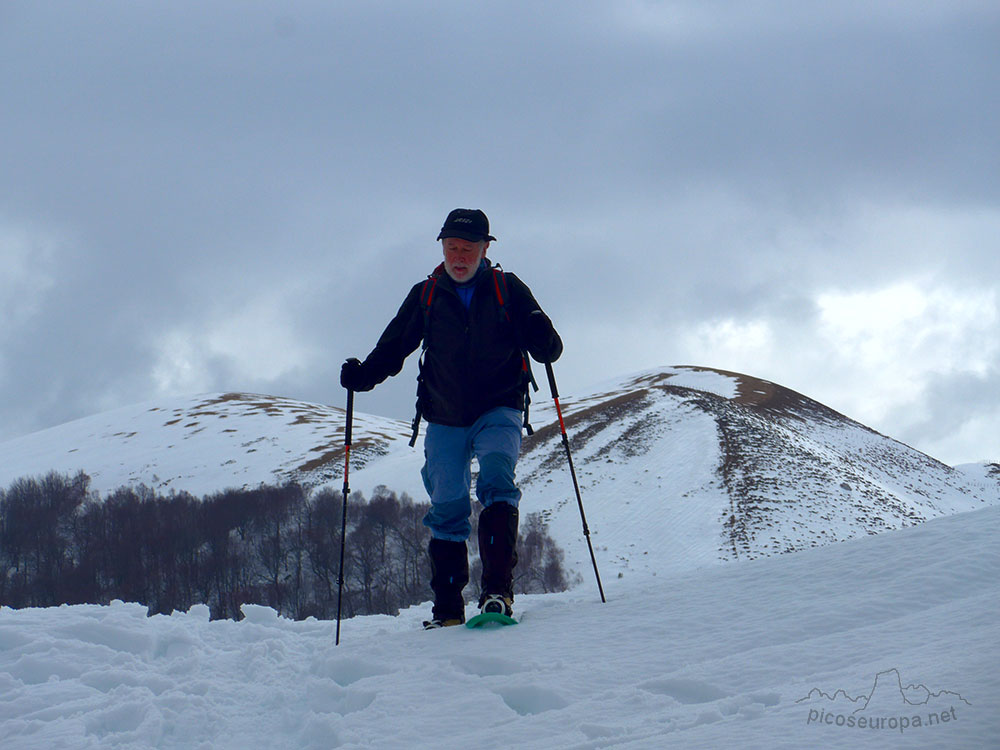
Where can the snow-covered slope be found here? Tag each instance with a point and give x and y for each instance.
(205, 443)
(694, 465)
(880, 642)
(679, 466)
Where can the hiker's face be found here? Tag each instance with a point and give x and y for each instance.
(462, 258)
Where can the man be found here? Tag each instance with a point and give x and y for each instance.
(472, 392)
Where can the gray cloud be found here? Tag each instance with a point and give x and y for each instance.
(958, 414)
(199, 186)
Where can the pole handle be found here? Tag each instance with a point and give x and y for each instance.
(552, 380)
(350, 418)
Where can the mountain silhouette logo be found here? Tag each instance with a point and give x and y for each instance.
(887, 691)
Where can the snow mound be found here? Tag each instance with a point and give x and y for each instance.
(785, 652)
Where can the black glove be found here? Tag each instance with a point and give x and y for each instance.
(539, 335)
(354, 377)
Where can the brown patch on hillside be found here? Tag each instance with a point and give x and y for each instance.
(750, 391)
(331, 456)
(601, 412)
(228, 397)
(775, 400)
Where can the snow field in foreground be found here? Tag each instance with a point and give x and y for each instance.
(726, 656)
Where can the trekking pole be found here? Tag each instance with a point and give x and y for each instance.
(343, 515)
(572, 471)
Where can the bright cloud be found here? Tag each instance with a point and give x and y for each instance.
(27, 263)
(731, 344)
(889, 348)
(910, 330)
(260, 337)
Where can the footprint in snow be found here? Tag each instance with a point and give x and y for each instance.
(326, 696)
(347, 671)
(695, 693)
(685, 690)
(531, 699)
(487, 666)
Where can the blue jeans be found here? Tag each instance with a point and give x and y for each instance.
(495, 440)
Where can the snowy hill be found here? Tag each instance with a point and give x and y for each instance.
(679, 467)
(701, 465)
(204, 443)
(887, 641)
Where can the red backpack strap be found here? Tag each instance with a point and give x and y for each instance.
(426, 299)
(427, 292)
(503, 296)
(500, 287)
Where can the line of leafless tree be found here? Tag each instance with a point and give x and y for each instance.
(61, 543)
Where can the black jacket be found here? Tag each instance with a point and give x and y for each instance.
(472, 358)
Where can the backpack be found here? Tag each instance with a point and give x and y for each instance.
(502, 295)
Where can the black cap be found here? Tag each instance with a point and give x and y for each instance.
(467, 224)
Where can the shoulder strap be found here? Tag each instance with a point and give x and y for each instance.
(426, 299)
(500, 280)
(503, 296)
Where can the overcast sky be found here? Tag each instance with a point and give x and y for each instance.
(232, 195)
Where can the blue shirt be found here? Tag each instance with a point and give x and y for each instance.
(466, 290)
